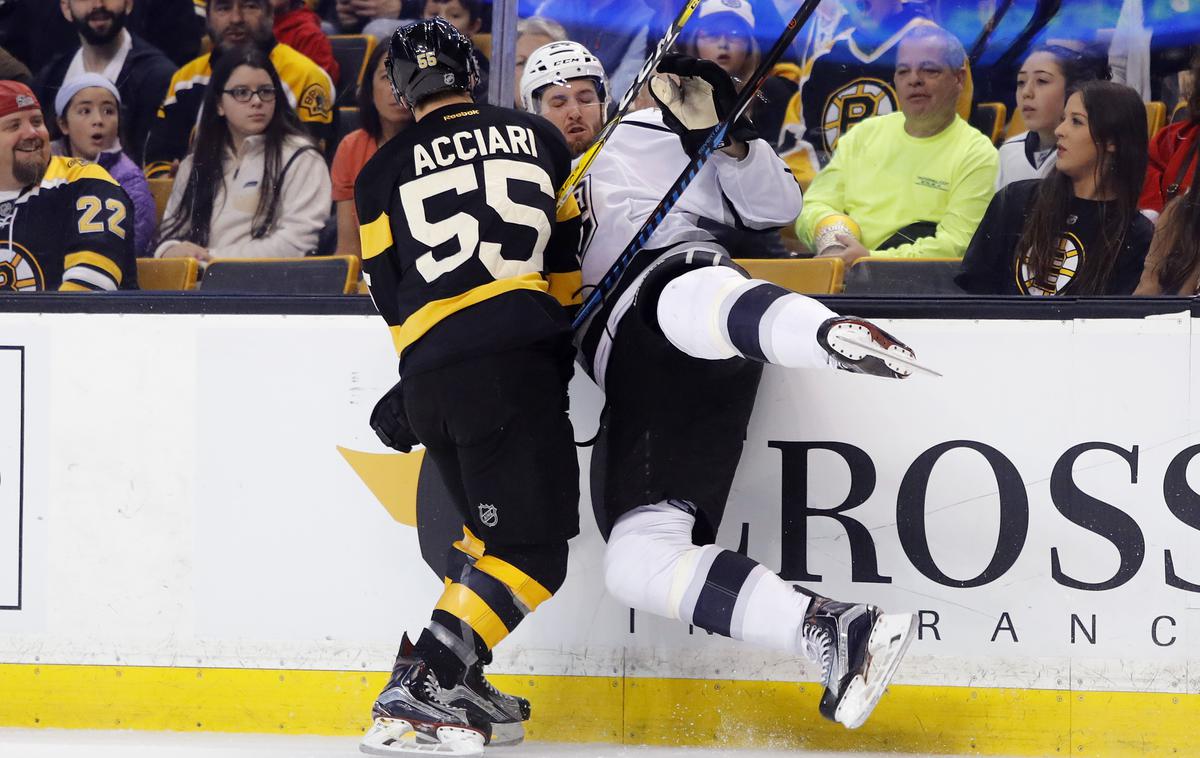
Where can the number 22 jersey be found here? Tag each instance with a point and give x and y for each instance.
(462, 247)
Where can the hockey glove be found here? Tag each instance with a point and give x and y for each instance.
(390, 422)
(699, 97)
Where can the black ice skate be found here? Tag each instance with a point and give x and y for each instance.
(415, 715)
(859, 648)
(844, 337)
(507, 711)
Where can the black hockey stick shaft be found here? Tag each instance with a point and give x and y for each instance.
(643, 76)
(981, 42)
(1043, 12)
(715, 137)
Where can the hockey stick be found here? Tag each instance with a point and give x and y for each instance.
(989, 28)
(643, 76)
(715, 137)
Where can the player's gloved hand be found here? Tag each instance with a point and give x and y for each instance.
(390, 422)
(696, 98)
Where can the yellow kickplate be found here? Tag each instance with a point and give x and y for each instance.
(923, 720)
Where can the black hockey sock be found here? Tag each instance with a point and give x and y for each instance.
(445, 660)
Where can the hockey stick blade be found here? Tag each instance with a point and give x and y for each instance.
(715, 137)
(879, 352)
(643, 76)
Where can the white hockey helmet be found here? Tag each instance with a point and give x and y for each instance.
(558, 63)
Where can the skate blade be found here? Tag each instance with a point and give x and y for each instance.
(398, 737)
(890, 638)
(507, 734)
(857, 345)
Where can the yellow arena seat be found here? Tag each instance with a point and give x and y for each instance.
(989, 118)
(161, 190)
(808, 276)
(175, 274)
(351, 52)
(1156, 117)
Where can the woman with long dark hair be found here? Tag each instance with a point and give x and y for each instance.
(382, 118)
(1173, 265)
(1047, 78)
(254, 185)
(1174, 154)
(1078, 231)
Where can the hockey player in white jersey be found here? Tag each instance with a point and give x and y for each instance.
(678, 347)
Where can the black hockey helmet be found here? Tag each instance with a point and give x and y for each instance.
(430, 56)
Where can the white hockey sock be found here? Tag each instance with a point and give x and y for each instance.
(715, 312)
(652, 565)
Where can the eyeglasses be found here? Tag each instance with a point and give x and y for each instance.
(244, 94)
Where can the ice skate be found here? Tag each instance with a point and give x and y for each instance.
(859, 648)
(415, 715)
(506, 711)
(838, 335)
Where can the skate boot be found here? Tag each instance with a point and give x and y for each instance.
(507, 711)
(859, 648)
(415, 715)
(837, 335)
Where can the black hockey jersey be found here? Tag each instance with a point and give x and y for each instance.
(461, 244)
(72, 231)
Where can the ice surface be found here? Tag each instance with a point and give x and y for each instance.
(68, 743)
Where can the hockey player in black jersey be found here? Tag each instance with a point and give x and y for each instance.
(464, 257)
(678, 348)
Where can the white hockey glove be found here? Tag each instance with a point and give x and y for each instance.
(695, 95)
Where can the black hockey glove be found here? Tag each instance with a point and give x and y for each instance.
(701, 98)
(390, 422)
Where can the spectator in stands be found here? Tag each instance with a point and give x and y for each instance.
(615, 31)
(532, 33)
(1046, 79)
(723, 32)
(89, 108)
(355, 16)
(66, 222)
(1078, 231)
(912, 184)
(255, 186)
(1172, 166)
(235, 24)
(14, 70)
(382, 118)
(467, 17)
(299, 28)
(140, 70)
(1173, 263)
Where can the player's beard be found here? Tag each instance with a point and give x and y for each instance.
(29, 165)
(93, 37)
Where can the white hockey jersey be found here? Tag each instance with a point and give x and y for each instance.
(1020, 160)
(632, 174)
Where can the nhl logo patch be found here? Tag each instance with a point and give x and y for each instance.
(448, 78)
(488, 514)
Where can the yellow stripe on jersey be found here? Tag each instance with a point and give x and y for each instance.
(428, 315)
(566, 287)
(72, 170)
(375, 237)
(461, 602)
(93, 259)
(569, 209)
(470, 544)
(524, 587)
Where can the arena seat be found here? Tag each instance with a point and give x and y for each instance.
(315, 275)
(989, 118)
(808, 276)
(1156, 117)
(161, 190)
(903, 276)
(1181, 112)
(351, 52)
(347, 121)
(173, 274)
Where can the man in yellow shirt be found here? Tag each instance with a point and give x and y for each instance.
(912, 184)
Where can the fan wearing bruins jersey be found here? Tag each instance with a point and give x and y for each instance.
(465, 258)
(851, 80)
(64, 225)
(678, 347)
(232, 23)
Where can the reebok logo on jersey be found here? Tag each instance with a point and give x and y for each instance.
(937, 184)
(488, 514)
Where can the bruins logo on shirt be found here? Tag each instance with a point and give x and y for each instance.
(19, 270)
(313, 105)
(1064, 267)
(857, 101)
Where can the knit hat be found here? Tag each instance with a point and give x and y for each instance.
(14, 97)
(71, 87)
